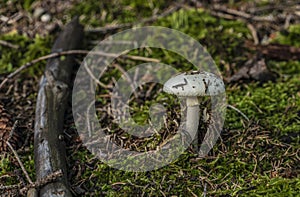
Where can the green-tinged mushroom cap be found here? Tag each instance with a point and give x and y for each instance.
(195, 83)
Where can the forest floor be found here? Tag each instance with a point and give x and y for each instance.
(256, 47)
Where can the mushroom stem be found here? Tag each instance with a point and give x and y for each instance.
(192, 120)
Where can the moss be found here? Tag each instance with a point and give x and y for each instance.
(242, 163)
(222, 38)
(255, 158)
(268, 103)
(29, 49)
(10, 169)
(99, 13)
(289, 37)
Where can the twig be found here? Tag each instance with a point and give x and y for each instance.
(243, 15)
(287, 21)
(276, 51)
(73, 52)
(281, 6)
(9, 187)
(127, 78)
(6, 20)
(193, 194)
(16, 154)
(7, 44)
(18, 159)
(93, 76)
(232, 14)
(253, 33)
(37, 184)
(204, 191)
(48, 179)
(167, 12)
(13, 130)
(237, 110)
(20, 163)
(196, 3)
(222, 15)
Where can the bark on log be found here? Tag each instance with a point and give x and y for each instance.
(49, 146)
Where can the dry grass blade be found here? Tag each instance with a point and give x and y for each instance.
(239, 111)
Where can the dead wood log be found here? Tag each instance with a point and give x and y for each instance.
(49, 146)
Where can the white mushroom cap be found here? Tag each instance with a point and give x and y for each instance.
(195, 83)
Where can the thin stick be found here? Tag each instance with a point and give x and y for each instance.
(193, 194)
(253, 33)
(93, 76)
(73, 52)
(9, 187)
(7, 20)
(287, 21)
(127, 78)
(13, 130)
(20, 163)
(37, 184)
(16, 154)
(48, 179)
(204, 191)
(237, 110)
(243, 15)
(222, 15)
(7, 44)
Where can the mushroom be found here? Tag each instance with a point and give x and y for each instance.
(191, 86)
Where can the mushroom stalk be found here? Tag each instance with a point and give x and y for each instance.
(192, 120)
(191, 86)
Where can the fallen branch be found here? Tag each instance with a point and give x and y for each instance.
(73, 52)
(49, 147)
